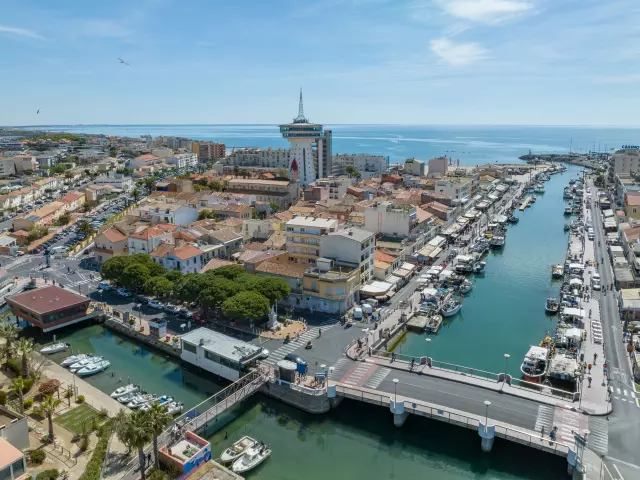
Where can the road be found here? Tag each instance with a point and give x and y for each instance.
(624, 425)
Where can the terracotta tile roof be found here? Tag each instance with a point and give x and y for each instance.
(162, 250)
(277, 240)
(383, 257)
(114, 235)
(232, 222)
(633, 200)
(71, 197)
(225, 235)
(47, 299)
(155, 231)
(216, 263)
(19, 233)
(284, 269)
(186, 251)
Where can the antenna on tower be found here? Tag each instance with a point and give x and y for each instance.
(300, 118)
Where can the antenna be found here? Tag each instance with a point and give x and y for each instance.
(300, 118)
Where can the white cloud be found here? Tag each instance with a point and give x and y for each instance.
(19, 32)
(485, 11)
(457, 54)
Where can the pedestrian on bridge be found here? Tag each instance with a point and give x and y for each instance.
(595, 357)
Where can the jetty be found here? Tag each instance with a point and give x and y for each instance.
(525, 204)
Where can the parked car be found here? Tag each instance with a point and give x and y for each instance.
(264, 354)
(104, 286)
(170, 308)
(155, 304)
(123, 292)
(185, 313)
(292, 357)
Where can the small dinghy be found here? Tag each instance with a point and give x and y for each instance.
(55, 348)
(253, 457)
(122, 391)
(238, 448)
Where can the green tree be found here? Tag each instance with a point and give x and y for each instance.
(158, 419)
(133, 430)
(25, 347)
(174, 276)
(85, 227)
(220, 289)
(135, 193)
(191, 286)
(8, 332)
(64, 218)
(17, 386)
(216, 186)
(144, 259)
(113, 268)
(159, 286)
(135, 276)
(246, 305)
(273, 289)
(274, 206)
(231, 272)
(47, 408)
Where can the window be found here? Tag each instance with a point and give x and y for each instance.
(211, 356)
(18, 468)
(189, 347)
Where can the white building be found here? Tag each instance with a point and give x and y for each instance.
(390, 219)
(171, 213)
(354, 246)
(416, 167)
(116, 180)
(337, 186)
(304, 235)
(145, 241)
(183, 258)
(217, 353)
(368, 165)
(183, 160)
(459, 188)
(7, 167)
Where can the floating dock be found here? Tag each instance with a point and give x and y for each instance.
(525, 204)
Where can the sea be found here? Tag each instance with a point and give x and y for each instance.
(504, 313)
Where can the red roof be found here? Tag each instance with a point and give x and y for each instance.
(47, 299)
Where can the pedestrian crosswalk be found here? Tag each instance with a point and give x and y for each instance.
(311, 333)
(544, 419)
(598, 439)
(624, 394)
(378, 376)
(359, 375)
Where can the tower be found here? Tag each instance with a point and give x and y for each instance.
(303, 135)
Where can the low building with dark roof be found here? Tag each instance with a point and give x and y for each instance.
(50, 307)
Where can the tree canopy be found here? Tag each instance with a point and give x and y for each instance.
(246, 305)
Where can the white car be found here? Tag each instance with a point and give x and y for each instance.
(155, 304)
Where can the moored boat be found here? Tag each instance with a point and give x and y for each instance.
(84, 363)
(513, 219)
(466, 286)
(55, 348)
(557, 271)
(535, 363)
(67, 362)
(238, 448)
(253, 457)
(552, 305)
(141, 400)
(94, 368)
(122, 391)
(568, 210)
(450, 308)
(497, 242)
(174, 408)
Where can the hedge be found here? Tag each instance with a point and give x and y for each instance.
(37, 456)
(3, 398)
(51, 474)
(94, 467)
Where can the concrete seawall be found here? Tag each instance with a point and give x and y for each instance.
(315, 404)
(120, 327)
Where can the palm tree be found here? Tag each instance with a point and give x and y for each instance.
(134, 432)
(85, 227)
(158, 419)
(17, 387)
(10, 333)
(47, 408)
(25, 347)
(136, 194)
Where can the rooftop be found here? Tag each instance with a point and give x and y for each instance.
(312, 222)
(357, 234)
(8, 453)
(114, 235)
(222, 345)
(225, 235)
(47, 299)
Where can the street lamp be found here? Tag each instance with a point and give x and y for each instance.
(487, 403)
(506, 363)
(395, 390)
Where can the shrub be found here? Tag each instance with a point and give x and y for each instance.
(104, 413)
(28, 403)
(51, 474)
(94, 467)
(80, 399)
(84, 443)
(68, 393)
(14, 365)
(3, 398)
(37, 456)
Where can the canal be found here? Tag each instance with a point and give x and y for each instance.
(353, 441)
(504, 313)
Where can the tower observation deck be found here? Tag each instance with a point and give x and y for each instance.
(303, 136)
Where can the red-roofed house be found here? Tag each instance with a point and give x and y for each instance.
(109, 243)
(184, 258)
(73, 201)
(145, 241)
(632, 205)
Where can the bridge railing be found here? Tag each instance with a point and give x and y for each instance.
(418, 408)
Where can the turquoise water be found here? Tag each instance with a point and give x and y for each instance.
(504, 313)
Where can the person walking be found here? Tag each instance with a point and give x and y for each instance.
(595, 357)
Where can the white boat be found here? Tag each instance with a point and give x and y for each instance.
(128, 397)
(450, 308)
(55, 348)
(238, 448)
(84, 363)
(497, 241)
(535, 363)
(466, 286)
(165, 399)
(141, 400)
(94, 368)
(253, 457)
(67, 362)
(122, 391)
(174, 408)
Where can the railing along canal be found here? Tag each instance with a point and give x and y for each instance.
(418, 408)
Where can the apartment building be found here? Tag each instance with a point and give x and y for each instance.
(330, 287)
(388, 218)
(283, 192)
(337, 186)
(183, 258)
(7, 166)
(626, 160)
(146, 240)
(304, 237)
(208, 151)
(438, 166)
(415, 167)
(183, 160)
(116, 180)
(459, 188)
(368, 165)
(109, 243)
(352, 246)
(45, 215)
(260, 158)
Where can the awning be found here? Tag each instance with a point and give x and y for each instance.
(575, 281)
(402, 273)
(574, 312)
(435, 253)
(408, 266)
(577, 266)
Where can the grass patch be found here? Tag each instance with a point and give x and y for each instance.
(76, 417)
(637, 387)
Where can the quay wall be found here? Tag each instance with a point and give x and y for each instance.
(315, 404)
(118, 326)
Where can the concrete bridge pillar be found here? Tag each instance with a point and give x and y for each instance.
(331, 391)
(572, 460)
(399, 413)
(487, 435)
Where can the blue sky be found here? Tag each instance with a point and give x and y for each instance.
(567, 62)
